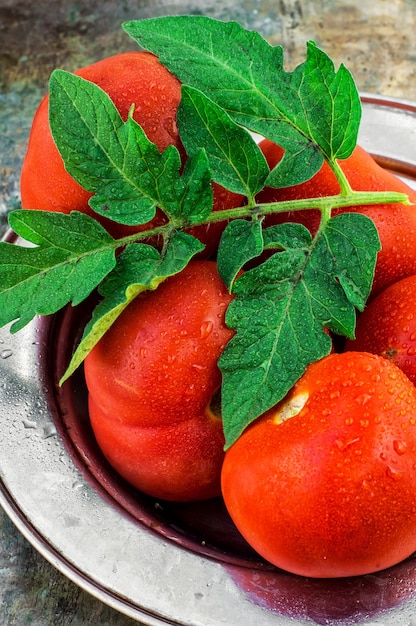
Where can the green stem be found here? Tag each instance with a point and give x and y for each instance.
(341, 178)
(347, 198)
(354, 198)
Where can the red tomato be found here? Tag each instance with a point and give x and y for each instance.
(152, 381)
(387, 326)
(129, 77)
(323, 484)
(396, 223)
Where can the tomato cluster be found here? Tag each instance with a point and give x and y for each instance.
(128, 78)
(322, 484)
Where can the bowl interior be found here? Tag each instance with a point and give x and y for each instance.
(205, 528)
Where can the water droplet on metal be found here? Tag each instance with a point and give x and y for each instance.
(29, 423)
(49, 431)
(5, 354)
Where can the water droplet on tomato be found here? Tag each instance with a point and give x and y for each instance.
(206, 329)
(393, 473)
(363, 399)
(411, 351)
(366, 484)
(343, 445)
(400, 447)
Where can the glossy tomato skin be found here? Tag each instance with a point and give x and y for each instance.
(128, 77)
(396, 223)
(330, 492)
(151, 380)
(387, 326)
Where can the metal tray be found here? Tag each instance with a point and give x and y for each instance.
(158, 562)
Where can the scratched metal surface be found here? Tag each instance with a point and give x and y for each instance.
(374, 38)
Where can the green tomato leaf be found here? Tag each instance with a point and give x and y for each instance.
(313, 112)
(327, 110)
(110, 158)
(241, 241)
(281, 310)
(236, 161)
(277, 336)
(286, 236)
(332, 101)
(350, 250)
(194, 190)
(140, 267)
(71, 255)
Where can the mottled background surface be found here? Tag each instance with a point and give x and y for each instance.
(374, 38)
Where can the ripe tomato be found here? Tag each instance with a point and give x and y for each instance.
(387, 326)
(129, 77)
(152, 381)
(396, 223)
(330, 492)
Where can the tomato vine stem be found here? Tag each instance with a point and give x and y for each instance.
(346, 198)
